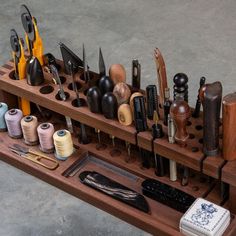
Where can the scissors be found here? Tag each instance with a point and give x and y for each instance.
(34, 156)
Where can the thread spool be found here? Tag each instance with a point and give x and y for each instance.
(3, 110)
(63, 144)
(29, 126)
(45, 134)
(13, 118)
(125, 114)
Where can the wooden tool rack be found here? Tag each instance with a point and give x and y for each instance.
(161, 220)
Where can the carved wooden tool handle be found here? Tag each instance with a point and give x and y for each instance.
(180, 111)
(161, 74)
(211, 95)
(229, 127)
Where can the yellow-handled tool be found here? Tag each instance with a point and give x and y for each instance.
(20, 67)
(33, 40)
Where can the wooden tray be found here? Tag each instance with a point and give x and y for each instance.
(162, 220)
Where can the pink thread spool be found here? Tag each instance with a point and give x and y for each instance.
(45, 134)
(13, 118)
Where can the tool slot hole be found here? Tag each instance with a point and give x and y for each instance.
(46, 89)
(82, 103)
(78, 85)
(12, 75)
(59, 98)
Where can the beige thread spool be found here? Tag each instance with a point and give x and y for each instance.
(125, 114)
(63, 144)
(131, 101)
(29, 126)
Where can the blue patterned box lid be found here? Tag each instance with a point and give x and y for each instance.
(204, 218)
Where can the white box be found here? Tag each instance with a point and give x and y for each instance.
(204, 218)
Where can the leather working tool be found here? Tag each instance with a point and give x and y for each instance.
(161, 75)
(114, 189)
(61, 94)
(33, 39)
(136, 74)
(211, 95)
(167, 195)
(83, 138)
(20, 67)
(68, 55)
(34, 156)
(86, 77)
(196, 111)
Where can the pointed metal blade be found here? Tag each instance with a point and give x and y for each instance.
(101, 64)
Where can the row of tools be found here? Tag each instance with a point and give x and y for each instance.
(115, 99)
(111, 96)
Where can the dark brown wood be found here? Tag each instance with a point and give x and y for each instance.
(180, 112)
(162, 220)
(82, 114)
(212, 166)
(232, 197)
(229, 173)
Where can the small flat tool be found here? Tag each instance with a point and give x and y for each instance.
(101, 64)
(33, 156)
(86, 68)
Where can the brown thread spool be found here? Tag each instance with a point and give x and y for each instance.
(45, 133)
(29, 126)
(131, 101)
(122, 93)
(117, 73)
(125, 114)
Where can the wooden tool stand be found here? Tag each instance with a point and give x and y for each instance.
(206, 172)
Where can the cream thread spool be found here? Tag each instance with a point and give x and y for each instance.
(3, 110)
(45, 133)
(125, 115)
(29, 126)
(13, 118)
(63, 144)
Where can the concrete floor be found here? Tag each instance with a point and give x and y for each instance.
(195, 37)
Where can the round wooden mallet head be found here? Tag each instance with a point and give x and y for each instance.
(122, 93)
(117, 73)
(125, 114)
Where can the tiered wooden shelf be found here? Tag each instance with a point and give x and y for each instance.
(162, 220)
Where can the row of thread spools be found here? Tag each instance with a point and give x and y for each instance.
(34, 133)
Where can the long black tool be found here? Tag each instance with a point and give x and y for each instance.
(114, 189)
(86, 68)
(83, 138)
(196, 111)
(101, 64)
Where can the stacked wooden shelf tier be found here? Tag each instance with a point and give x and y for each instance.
(162, 220)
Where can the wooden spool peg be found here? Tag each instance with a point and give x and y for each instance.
(180, 112)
